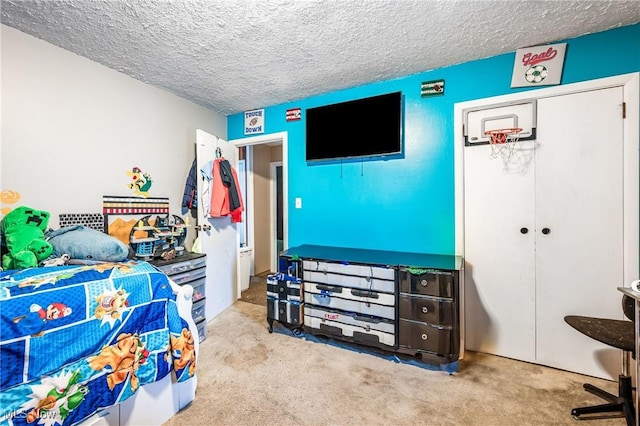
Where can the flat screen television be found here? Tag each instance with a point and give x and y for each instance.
(365, 127)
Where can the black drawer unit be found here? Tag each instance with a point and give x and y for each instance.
(285, 303)
(189, 268)
(402, 302)
(429, 314)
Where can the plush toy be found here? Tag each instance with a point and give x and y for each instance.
(23, 233)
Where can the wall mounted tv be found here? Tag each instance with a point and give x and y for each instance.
(365, 127)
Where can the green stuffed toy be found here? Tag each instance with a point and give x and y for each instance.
(23, 233)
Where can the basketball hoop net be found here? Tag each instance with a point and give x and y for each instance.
(503, 141)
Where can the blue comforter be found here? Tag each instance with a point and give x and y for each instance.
(75, 339)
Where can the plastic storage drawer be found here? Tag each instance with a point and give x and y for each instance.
(202, 331)
(425, 337)
(427, 309)
(366, 283)
(284, 311)
(359, 328)
(364, 302)
(285, 287)
(187, 265)
(197, 311)
(198, 289)
(354, 270)
(428, 282)
(186, 277)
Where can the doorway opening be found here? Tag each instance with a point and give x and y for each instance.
(265, 195)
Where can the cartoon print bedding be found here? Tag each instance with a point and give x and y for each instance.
(75, 339)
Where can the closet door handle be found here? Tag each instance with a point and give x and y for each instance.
(524, 230)
(546, 231)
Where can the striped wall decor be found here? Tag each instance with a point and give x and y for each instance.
(134, 205)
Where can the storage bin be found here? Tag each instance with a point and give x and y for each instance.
(363, 322)
(353, 269)
(186, 265)
(202, 331)
(286, 312)
(290, 267)
(351, 300)
(425, 337)
(427, 282)
(351, 333)
(285, 287)
(197, 311)
(365, 283)
(191, 275)
(198, 289)
(427, 309)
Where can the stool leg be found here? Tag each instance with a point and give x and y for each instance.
(601, 392)
(626, 394)
(611, 409)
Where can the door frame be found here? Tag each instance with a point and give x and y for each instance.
(278, 137)
(631, 141)
(273, 209)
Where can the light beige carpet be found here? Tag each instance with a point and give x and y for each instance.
(247, 376)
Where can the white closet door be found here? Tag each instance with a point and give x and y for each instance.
(579, 198)
(499, 264)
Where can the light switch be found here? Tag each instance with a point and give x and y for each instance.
(298, 203)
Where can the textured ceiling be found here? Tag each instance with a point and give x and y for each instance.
(237, 55)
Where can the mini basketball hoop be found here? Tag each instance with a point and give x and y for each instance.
(503, 141)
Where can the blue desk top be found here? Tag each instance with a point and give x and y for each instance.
(376, 257)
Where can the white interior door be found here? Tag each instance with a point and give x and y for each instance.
(499, 253)
(218, 236)
(579, 200)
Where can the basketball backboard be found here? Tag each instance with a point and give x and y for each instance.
(477, 121)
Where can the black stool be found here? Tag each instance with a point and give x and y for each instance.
(619, 334)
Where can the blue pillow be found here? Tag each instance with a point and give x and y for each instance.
(81, 242)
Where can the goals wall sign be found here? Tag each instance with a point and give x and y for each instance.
(538, 65)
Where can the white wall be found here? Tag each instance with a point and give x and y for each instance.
(71, 128)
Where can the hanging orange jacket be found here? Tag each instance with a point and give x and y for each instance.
(226, 198)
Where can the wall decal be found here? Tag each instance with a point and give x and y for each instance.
(8, 197)
(538, 65)
(141, 181)
(432, 88)
(254, 122)
(293, 114)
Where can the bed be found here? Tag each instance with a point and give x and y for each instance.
(106, 343)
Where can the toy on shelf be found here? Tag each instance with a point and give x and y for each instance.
(162, 237)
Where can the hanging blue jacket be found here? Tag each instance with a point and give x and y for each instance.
(190, 195)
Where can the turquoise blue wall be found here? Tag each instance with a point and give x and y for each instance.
(407, 203)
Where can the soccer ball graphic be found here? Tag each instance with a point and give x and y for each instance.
(536, 74)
